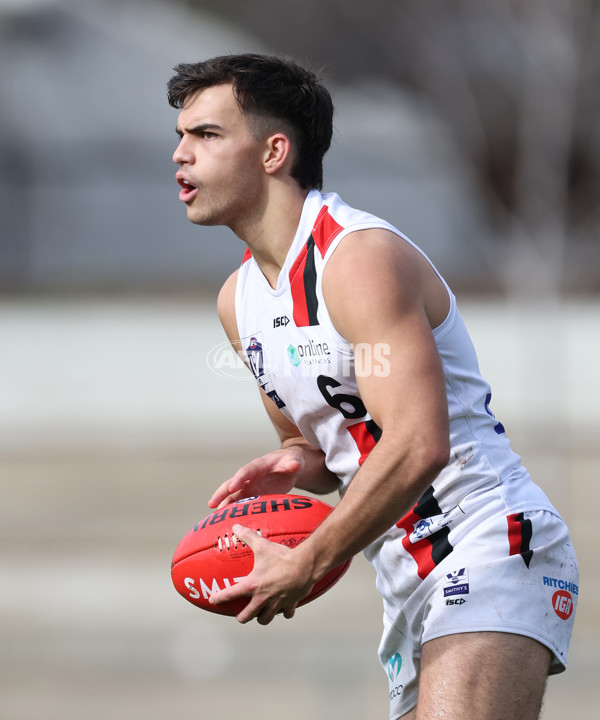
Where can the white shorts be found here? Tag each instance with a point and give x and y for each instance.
(514, 573)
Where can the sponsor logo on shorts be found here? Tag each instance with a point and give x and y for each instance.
(456, 583)
(561, 584)
(562, 602)
(425, 527)
(393, 668)
(394, 665)
(456, 601)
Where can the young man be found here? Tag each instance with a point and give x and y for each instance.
(368, 374)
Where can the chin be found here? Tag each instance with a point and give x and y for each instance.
(203, 220)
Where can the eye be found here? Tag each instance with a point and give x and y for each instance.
(208, 135)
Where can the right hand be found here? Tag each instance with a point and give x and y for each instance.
(273, 473)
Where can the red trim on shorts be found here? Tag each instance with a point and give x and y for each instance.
(430, 549)
(422, 551)
(514, 534)
(519, 536)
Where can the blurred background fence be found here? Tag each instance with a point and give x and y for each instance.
(471, 126)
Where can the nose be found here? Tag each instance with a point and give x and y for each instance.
(182, 153)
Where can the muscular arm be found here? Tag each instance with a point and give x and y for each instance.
(296, 464)
(395, 299)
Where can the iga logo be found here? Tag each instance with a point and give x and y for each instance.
(562, 602)
(394, 665)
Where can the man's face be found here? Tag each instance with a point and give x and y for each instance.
(220, 161)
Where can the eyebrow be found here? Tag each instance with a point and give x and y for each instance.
(199, 129)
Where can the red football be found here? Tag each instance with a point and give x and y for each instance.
(210, 558)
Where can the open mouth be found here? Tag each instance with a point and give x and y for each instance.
(187, 191)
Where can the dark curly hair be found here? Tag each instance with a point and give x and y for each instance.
(275, 93)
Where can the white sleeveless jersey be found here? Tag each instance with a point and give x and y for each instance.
(307, 368)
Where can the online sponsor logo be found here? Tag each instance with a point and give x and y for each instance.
(310, 353)
(308, 359)
(361, 359)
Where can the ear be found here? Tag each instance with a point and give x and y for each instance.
(277, 153)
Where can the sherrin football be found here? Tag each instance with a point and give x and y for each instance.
(210, 558)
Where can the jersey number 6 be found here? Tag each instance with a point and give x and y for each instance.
(350, 406)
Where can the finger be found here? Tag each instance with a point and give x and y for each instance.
(289, 613)
(235, 487)
(234, 497)
(235, 592)
(249, 537)
(286, 465)
(265, 617)
(219, 495)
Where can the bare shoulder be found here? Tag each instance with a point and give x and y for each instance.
(376, 269)
(371, 255)
(226, 306)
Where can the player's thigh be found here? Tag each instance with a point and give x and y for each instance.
(483, 675)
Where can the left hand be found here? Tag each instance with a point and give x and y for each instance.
(277, 583)
(273, 473)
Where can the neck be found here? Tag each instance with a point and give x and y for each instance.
(270, 233)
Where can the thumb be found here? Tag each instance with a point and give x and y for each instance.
(287, 465)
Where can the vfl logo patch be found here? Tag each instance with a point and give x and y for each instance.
(456, 583)
(254, 352)
(256, 360)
